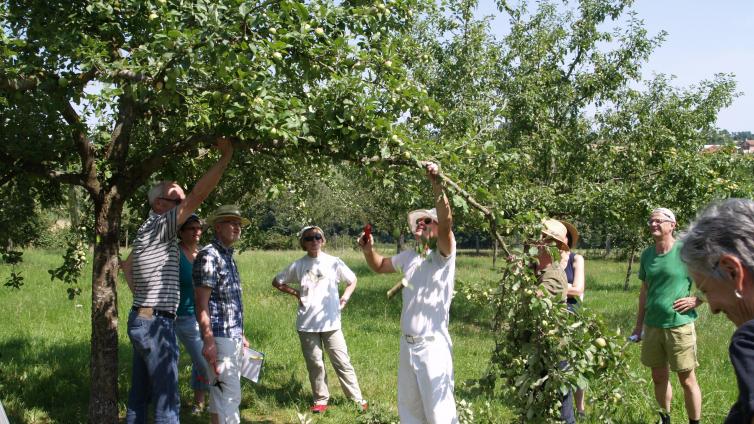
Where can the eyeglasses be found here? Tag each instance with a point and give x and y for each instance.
(652, 222)
(175, 201)
(312, 238)
(426, 221)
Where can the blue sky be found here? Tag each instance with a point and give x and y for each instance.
(704, 37)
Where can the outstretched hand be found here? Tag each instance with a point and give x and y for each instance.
(433, 170)
(224, 145)
(365, 242)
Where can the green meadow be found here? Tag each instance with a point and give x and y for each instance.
(44, 346)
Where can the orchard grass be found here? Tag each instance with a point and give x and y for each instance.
(44, 346)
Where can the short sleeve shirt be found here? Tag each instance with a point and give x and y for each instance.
(429, 292)
(555, 281)
(155, 262)
(318, 279)
(667, 280)
(215, 267)
(741, 352)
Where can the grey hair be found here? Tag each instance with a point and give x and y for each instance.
(157, 191)
(725, 227)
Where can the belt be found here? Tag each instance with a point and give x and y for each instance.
(147, 312)
(418, 339)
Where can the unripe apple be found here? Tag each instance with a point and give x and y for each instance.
(307, 27)
(319, 31)
(158, 86)
(277, 55)
(273, 31)
(394, 137)
(425, 109)
(388, 63)
(600, 342)
(274, 131)
(152, 16)
(162, 1)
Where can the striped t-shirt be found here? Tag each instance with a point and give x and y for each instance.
(155, 262)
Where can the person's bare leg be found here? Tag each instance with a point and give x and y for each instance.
(663, 390)
(692, 394)
(579, 397)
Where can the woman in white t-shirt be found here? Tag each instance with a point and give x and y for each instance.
(313, 280)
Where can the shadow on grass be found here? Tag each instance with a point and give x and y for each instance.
(44, 383)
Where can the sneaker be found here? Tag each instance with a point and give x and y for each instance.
(197, 410)
(316, 409)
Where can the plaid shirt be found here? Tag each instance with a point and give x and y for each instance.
(214, 267)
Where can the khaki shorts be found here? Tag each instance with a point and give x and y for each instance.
(676, 347)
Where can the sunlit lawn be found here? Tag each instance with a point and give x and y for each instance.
(44, 345)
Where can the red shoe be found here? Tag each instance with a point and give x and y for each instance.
(363, 406)
(316, 409)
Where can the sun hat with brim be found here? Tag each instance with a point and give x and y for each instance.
(573, 232)
(307, 228)
(227, 211)
(420, 213)
(557, 231)
(193, 218)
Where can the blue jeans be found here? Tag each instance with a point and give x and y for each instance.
(154, 377)
(187, 330)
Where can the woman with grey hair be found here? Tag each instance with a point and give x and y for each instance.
(718, 250)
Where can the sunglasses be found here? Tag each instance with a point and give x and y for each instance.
(657, 221)
(175, 201)
(312, 238)
(426, 221)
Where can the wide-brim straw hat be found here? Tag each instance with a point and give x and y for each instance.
(557, 231)
(227, 211)
(573, 232)
(420, 213)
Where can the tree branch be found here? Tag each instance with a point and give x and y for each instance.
(18, 166)
(486, 212)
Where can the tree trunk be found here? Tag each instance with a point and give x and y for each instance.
(103, 395)
(494, 252)
(630, 263)
(607, 245)
(399, 244)
(476, 242)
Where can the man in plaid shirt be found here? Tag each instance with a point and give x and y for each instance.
(219, 310)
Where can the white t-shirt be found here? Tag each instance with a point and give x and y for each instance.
(427, 297)
(317, 279)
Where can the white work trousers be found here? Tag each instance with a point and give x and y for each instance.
(425, 382)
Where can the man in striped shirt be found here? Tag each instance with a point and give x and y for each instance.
(219, 310)
(152, 275)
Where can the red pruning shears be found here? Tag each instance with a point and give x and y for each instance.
(367, 233)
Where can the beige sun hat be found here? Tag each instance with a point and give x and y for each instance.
(557, 231)
(573, 232)
(227, 211)
(420, 213)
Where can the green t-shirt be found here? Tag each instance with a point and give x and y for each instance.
(667, 281)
